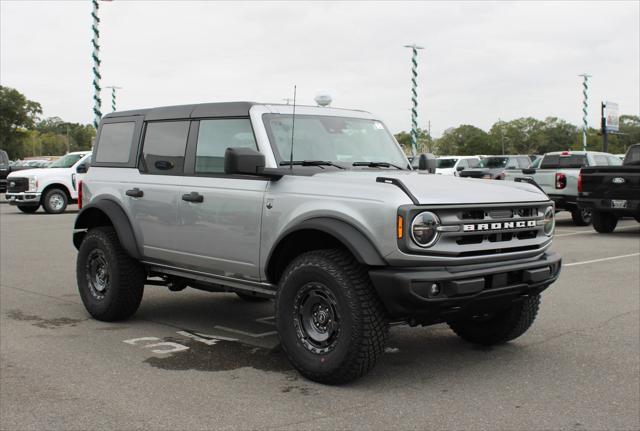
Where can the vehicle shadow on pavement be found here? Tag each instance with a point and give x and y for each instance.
(412, 354)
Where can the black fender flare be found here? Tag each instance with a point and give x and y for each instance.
(119, 219)
(356, 242)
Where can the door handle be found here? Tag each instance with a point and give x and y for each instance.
(135, 193)
(193, 197)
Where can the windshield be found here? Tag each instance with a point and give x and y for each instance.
(340, 140)
(493, 162)
(66, 161)
(445, 163)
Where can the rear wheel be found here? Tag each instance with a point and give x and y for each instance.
(499, 327)
(55, 201)
(331, 324)
(28, 209)
(110, 282)
(581, 216)
(604, 222)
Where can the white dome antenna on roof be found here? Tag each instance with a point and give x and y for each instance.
(323, 99)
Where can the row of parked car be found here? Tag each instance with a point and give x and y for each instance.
(53, 187)
(558, 174)
(613, 181)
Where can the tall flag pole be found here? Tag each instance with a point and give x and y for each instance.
(414, 97)
(585, 105)
(97, 115)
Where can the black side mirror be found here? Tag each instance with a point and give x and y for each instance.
(427, 162)
(82, 169)
(243, 161)
(460, 168)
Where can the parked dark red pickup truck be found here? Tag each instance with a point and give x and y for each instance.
(611, 192)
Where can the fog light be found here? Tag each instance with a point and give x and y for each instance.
(434, 290)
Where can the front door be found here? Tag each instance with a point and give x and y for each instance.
(220, 215)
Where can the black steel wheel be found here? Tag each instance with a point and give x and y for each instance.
(316, 318)
(110, 282)
(330, 321)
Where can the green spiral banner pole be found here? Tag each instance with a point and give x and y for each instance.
(97, 115)
(113, 96)
(414, 97)
(585, 105)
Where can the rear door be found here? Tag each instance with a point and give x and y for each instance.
(154, 194)
(219, 215)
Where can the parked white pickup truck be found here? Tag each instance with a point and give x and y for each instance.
(53, 187)
(557, 176)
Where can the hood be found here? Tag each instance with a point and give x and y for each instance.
(442, 189)
(28, 172)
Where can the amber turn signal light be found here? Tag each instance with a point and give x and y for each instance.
(400, 226)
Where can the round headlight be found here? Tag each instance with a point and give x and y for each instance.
(424, 229)
(549, 221)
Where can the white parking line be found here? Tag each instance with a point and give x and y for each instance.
(600, 260)
(592, 231)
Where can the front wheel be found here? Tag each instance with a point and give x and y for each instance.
(581, 216)
(604, 222)
(55, 201)
(331, 324)
(28, 209)
(110, 282)
(499, 327)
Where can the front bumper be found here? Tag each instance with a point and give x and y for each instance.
(406, 292)
(23, 198)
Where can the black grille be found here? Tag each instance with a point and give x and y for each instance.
(17, 185)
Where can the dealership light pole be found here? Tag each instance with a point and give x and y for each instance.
(414, 97)
(113, 95)
(585, 105)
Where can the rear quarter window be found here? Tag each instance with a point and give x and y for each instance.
(114, 144)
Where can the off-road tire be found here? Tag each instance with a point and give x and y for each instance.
(604, 222)
(48, 201)
(126, 276)
(502, 326)
(363, 326)
(580, 216)
(28, 209)
(251, 298)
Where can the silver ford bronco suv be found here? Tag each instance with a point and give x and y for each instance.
(318, 209)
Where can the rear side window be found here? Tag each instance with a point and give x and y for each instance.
(215, 136)
(164, 147)
(115, 142)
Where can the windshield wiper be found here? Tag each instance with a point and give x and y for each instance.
(377, 165)
(311, 163)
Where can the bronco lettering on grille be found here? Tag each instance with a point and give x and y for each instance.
(498, 226)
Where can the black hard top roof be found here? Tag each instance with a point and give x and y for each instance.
(201, 110)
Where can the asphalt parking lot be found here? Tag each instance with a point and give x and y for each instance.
(196, 360)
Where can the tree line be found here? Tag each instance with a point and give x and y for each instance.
(523, 136)
(23, 133)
